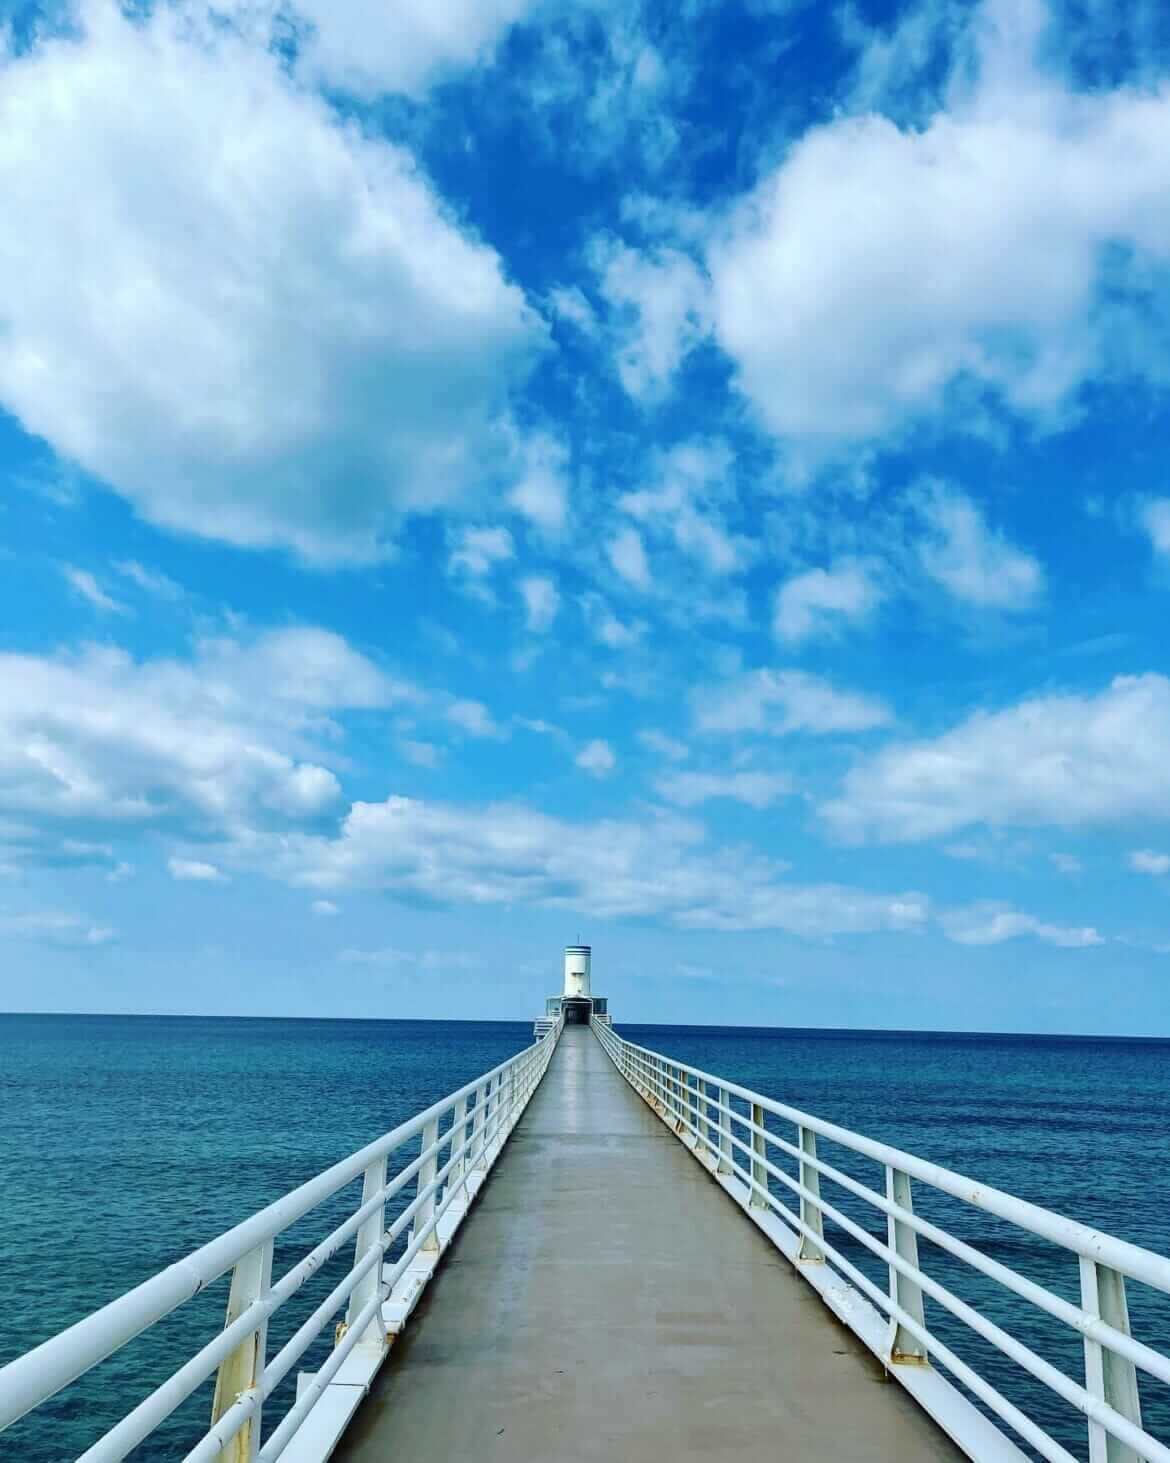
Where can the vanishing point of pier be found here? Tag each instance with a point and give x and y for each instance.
(631, 1259)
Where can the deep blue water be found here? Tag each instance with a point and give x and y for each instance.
(127, 1141)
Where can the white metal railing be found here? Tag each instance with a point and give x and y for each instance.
(446, 1173)
(745, 1157)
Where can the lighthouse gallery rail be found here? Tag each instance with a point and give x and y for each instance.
(459, 1138)
(744, 1156)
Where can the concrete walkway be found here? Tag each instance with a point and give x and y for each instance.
(605, 1300)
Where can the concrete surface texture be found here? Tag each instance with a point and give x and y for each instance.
(605, 1300)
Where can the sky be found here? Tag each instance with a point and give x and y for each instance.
(687, 477)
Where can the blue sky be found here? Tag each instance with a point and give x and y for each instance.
(689, 478)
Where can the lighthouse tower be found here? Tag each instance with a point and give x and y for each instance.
(576, 1002)
(577, 959)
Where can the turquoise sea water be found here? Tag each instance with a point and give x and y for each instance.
(127, 1141)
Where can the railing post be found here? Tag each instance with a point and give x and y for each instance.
(370, 1233)
(680, 1087)
(425, 1211)
(475, 1152)
(458, 1139)
(1110, 1377)
(725, 1150)
(243, 1368)
(810, 1252)
(701, 1144)
(759, 1173)
(905, 1349)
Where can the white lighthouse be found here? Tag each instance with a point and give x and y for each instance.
(576, 1002)
(577, 970)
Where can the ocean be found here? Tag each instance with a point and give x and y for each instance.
(127, 1141)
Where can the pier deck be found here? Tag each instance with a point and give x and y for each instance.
(606, 1301)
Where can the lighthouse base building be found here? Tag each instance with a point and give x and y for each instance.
(576, 1002)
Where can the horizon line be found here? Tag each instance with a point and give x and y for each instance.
(673, 1025)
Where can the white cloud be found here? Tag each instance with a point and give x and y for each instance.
(655, 865)
(669, 747)
(1061, 760)
(195, 871)
(569, 303)
(324, 907)
(596, 758)
(627, 554)
(756, 789)
(605, 626)
(1154, 515)
(152, 581)
(878, 266)
(1148, 861)
(372, 46)
(475, 719)
(87, 586)
(989, 923)
(1067, 864)
(478, 550)
(541, 602)
(298, 362)
(541, 492)
(817, 602)
(779, 702)
(217, 744)
(421, 754)
(658, 299)
(972, 561)
(685, 505)
(54, 927)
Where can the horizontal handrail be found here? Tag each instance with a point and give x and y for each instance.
(745, 1156)
(479, 1117)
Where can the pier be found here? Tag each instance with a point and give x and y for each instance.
(595, 1251)
(609, 1303)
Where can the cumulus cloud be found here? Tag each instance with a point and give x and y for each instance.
(972, 561)
(541, 493)
(819, 601)
(297, 362)
(1064, 760)
(221, 742)
(195, 871)
(367, 47)
(475, 719)
(477, 551)
(686, 502)
(989, 923)
(655, 865)
(658, 299)
(541, 602)
(1149, 861)
(779, 702)
(756, 789)
(597, 758)
(324, 907)
(878, 266)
